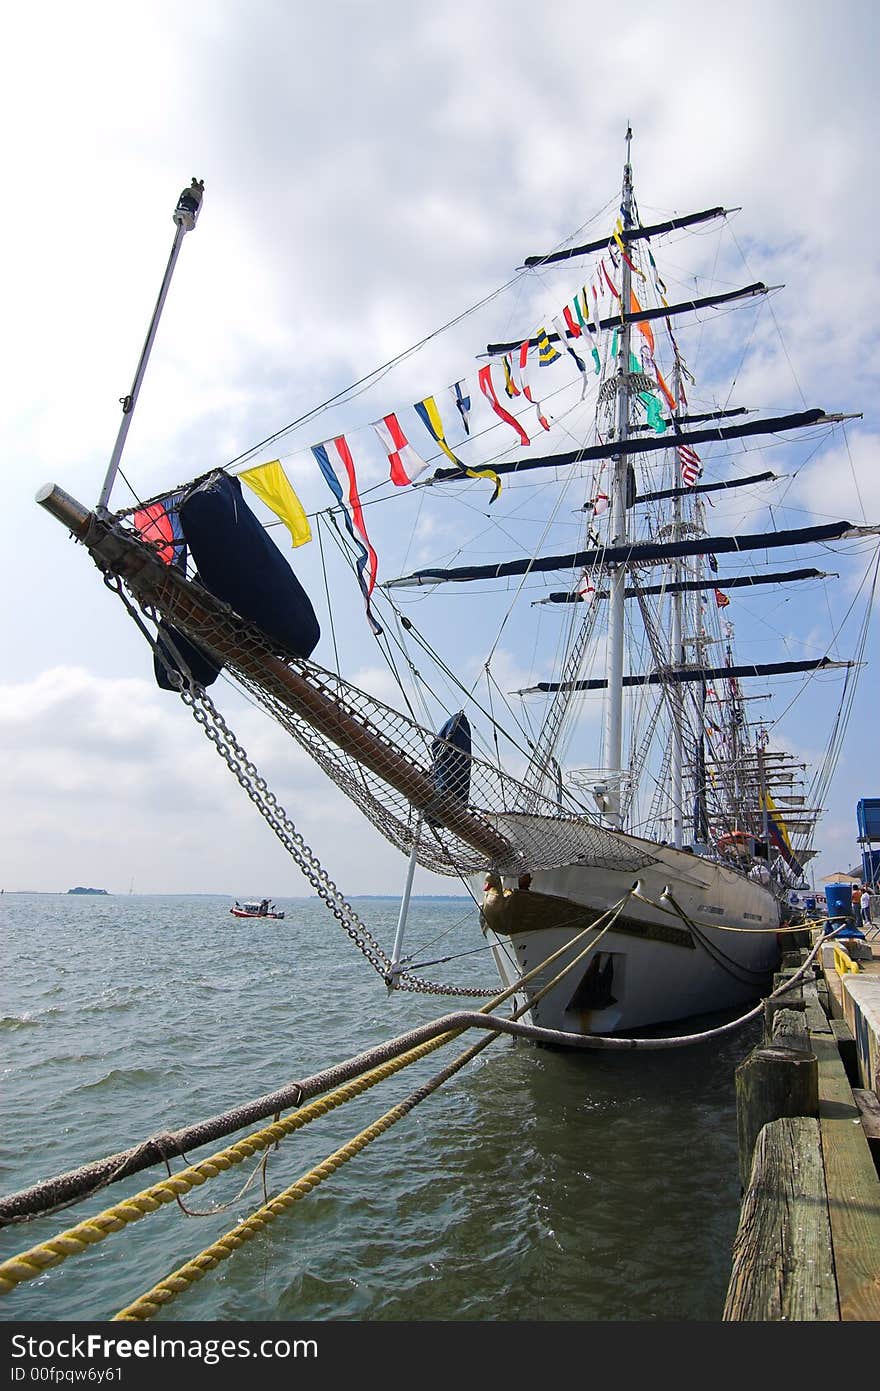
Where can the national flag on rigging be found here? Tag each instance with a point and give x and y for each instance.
(463, 404)
(336, 464)
(406, 464)
(159, 524)
(689, 461)
(721, 599)
(271, 484)
(777, 831)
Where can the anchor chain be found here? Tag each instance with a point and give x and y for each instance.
(218, 732)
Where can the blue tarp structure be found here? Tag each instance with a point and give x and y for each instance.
(451, 759)
(239, 562)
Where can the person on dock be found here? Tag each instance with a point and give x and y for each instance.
(865, 905)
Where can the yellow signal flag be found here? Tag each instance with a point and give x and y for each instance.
(271, 484)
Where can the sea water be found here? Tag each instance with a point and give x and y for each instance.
(536, 1184)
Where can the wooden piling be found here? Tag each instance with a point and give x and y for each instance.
(782, 1266)
(808, 1244)
(778, 1078)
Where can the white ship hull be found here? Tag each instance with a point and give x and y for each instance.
(650, 968)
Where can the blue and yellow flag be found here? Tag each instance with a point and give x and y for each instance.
(430, 417)
(777, 831)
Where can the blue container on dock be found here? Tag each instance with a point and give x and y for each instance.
(840, 909)
(868, 818)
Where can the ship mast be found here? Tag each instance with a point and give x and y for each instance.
(616, 603)
(677, 652)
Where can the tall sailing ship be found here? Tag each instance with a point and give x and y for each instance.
(647, 883)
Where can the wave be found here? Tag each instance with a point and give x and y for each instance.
(28, 1019)
(125, 1075)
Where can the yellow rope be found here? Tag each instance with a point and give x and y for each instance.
(149, 1304)
(30, 1264)
(719, 927)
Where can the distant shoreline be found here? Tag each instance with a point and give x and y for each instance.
(278, 898)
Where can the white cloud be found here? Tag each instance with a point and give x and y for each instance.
(103, 781)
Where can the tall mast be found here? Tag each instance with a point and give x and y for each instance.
(616, 605)
(677, 654)
(700, 820)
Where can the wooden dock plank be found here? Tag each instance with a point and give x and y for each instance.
(852, 1186)
(817, 1019)
(782, 1263)
(846, 1047)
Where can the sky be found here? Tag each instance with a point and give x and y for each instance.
(370, 173)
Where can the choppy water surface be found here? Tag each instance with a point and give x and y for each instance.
(534, 1185)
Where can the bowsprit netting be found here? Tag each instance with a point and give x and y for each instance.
(382, 760)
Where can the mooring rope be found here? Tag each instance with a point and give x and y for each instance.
(60, 1191)
(30, 1264)
(154, 1300)
(151, 1303)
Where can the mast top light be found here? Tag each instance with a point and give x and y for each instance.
(189, 204)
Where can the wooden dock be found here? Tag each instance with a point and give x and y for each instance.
(808, 1112)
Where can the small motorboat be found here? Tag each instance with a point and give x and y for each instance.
(262, 908)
